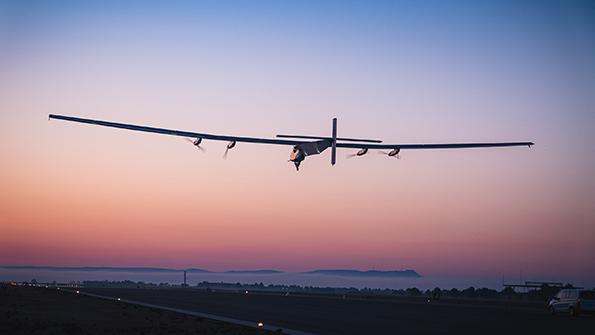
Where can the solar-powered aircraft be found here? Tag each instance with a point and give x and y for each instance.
(302, 145)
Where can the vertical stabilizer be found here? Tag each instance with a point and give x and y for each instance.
(334, 144)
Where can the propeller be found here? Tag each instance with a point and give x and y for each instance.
(230, 145)
(359, 153)
(196, 143)
(395, 155)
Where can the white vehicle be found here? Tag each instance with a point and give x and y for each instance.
(573, 302)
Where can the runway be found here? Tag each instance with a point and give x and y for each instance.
(26, 310)
(359, 315)
(253, 324)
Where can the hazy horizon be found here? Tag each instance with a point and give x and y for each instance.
(282, 278)
(404, 72)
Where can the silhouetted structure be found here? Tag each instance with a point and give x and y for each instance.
(534, 285)
(185, 284)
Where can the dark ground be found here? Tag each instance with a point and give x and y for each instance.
(31, 310)
(28, 310)
(362, 315)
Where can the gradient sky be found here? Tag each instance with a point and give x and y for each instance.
(411, 71)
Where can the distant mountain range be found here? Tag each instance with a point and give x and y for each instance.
(256, 272)
(370, 273)
(335, 272)
(96, 268)
(130, 269)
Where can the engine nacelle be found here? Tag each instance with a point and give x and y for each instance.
(231, 144)
(394, 152)
(197, 141)
(362, 152)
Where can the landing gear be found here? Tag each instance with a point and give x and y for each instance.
(297, 165)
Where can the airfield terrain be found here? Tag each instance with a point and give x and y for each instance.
(336, 314)
(32, 310)
(36, 309)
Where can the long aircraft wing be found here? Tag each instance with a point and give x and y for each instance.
(176, 132)
(433, 145)
(366, 145)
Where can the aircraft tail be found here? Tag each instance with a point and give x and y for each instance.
(334, 143)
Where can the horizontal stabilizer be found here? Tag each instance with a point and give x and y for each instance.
(330, 138)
